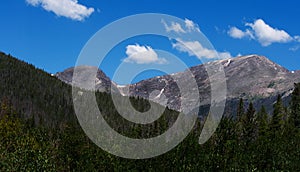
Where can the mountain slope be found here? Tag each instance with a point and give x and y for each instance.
(257, 76)
(253, 78)
(34, 93)
(103, 83)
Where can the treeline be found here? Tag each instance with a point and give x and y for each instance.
(248, 141)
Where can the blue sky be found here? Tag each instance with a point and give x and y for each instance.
(51, 37)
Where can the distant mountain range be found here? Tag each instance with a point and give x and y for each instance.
(254, 78)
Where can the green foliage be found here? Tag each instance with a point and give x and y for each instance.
(21, 149)
(295, 106)
(35, 92)
(39, 132)
(240, 110)
(249, 125)
(277, 122)
(263, 121)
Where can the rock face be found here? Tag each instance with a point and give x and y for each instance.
(254, 75)
(253, 78)
(102, 82)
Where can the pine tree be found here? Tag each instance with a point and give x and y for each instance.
(295, 106)
(239, 123)
(251, 121)
(240, 110)
(278, 115)
(262, 119)
(249, 124)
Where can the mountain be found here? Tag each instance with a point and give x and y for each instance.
(250, 76)
(39, 130)
(103, 83)
(33, 94)
(254, 78)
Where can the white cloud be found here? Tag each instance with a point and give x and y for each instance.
(191, 26)
(239, 34)
(66, 8)
(224, 55)
(195, 48)
(295, 48)
(33, 2)
(175, 27)
(297, 38)
(142, 55)
(267, 35)
(263, 33)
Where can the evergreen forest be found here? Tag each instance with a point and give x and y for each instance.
(39, 131)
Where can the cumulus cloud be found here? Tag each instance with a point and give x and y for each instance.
(189, 26)
(239, 34)
(66, 8)
(262, 32)
(267, 35)
(142, 55)
(175, 27)
(195, 48)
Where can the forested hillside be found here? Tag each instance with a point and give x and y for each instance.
(39, 132)
(34, 93)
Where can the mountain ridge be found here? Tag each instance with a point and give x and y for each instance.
(250, 77)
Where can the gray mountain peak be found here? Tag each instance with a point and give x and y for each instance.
(254, 78)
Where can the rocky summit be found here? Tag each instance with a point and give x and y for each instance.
(254, 78)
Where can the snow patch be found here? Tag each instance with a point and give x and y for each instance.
(121, 92)
(249, 56)
(227, 63)
(161, 91)
(98, 81)
(122, 89)
(121, 86)
(292, 71)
